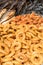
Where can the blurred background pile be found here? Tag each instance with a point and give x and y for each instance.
(17, 7)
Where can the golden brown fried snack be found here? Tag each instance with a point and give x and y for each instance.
(21, 40)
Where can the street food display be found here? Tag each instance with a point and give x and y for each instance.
(21, 40)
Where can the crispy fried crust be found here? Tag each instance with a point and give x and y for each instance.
(21, 40)
(32, 18)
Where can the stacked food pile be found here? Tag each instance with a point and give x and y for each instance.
(21, 40)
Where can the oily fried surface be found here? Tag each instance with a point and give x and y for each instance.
(21, 40)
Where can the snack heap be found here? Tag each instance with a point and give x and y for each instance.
(21, 40)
